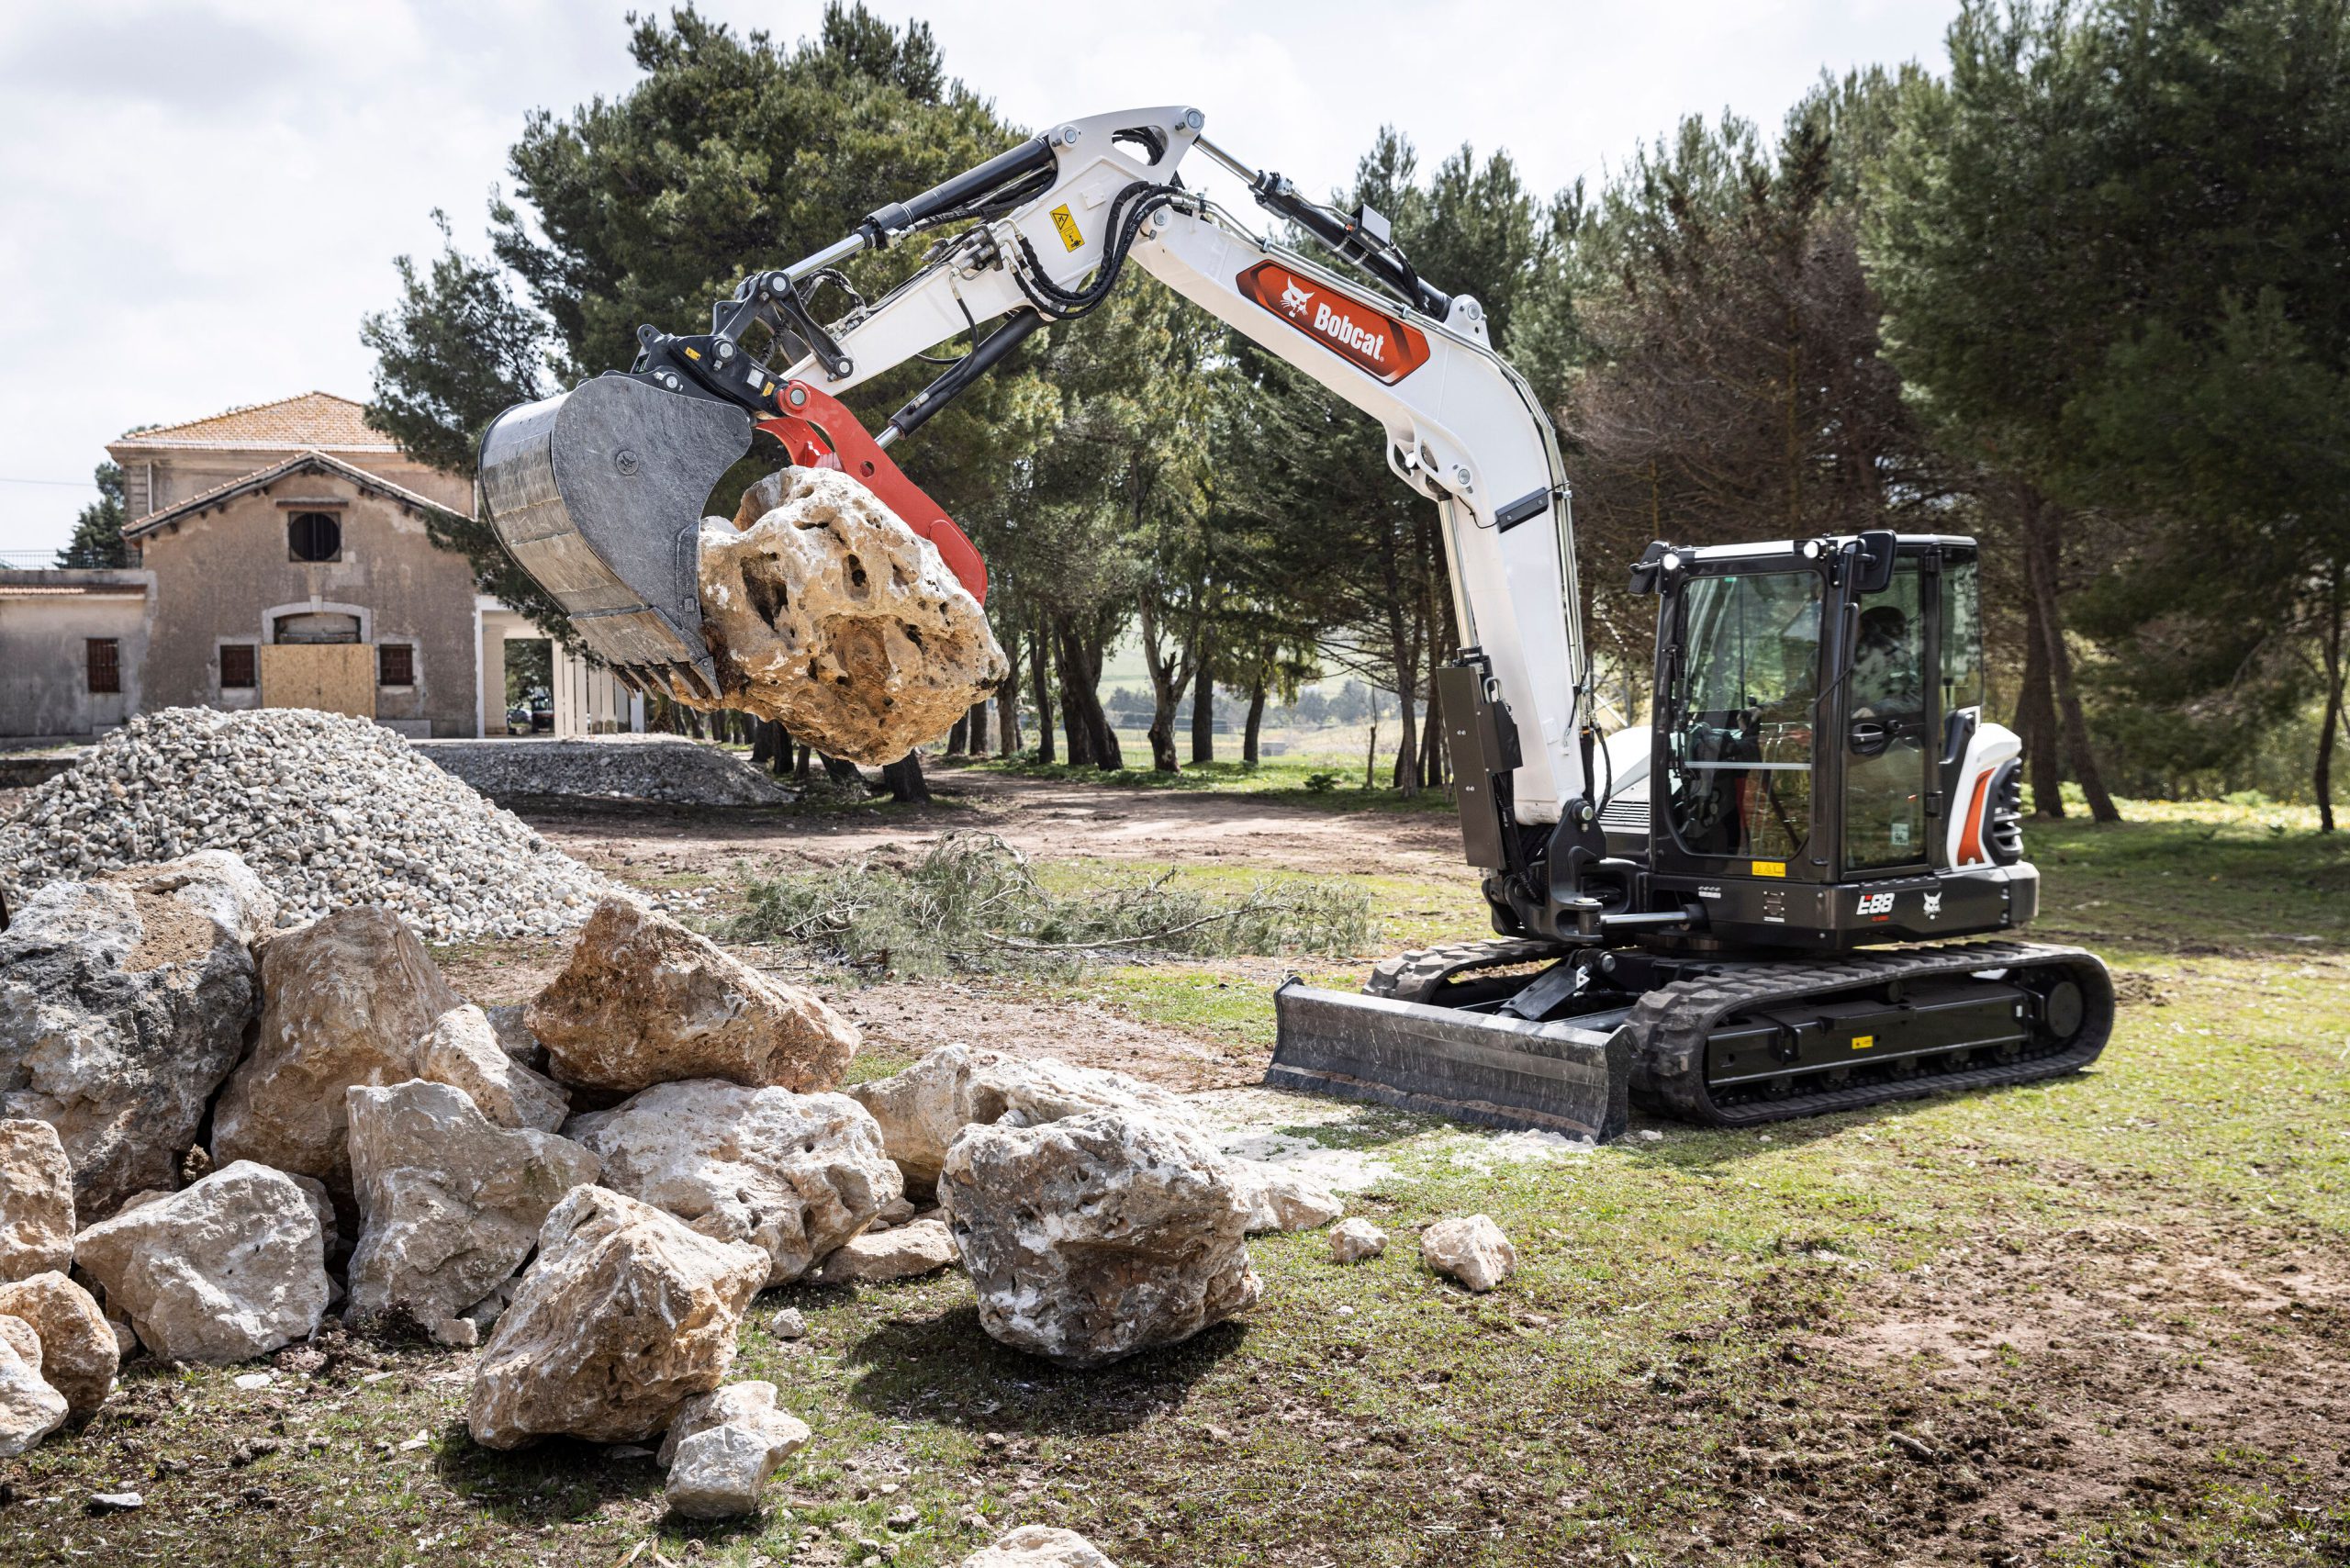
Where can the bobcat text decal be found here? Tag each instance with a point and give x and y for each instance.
(1359, 333)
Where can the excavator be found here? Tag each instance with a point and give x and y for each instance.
(1745, 911)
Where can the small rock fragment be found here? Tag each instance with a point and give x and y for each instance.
(253, 1382)
(1353, 1240)
(116, 1502)
(1091, 1238)
(221, 1272)
(29, 1409)
(1040, 1546)
(624, 1315)
(644, 1001)
(789, 1323)
(457, 1333)
(718, 1474)
(1473, 1251)
(895, 1212)
(750, 1404)
(922, 1247)
(79, 1354)
(36, 1200)
(1281, 1197)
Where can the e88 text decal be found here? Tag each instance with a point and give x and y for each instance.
(1878, 904)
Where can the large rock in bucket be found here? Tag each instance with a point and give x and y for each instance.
(824, 610)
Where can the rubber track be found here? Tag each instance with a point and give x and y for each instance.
(1418, 975)
(1670, 1025)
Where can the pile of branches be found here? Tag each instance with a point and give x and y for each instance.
(973, 903)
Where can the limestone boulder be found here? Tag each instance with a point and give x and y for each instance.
(923, 1108)
(722, 1448)
(514, 1035)
(624, 1315)
(214, 882)
(1281, 1197)
(1040, 1546)
(1353, 1240)
(78, 1353)
(228, 1269)
(824, 609)
(1096, 1237)
(738, 1404)
(904, 1252)
(121, 1012)
(348, 998)
(462, 1049)
(29, 1409)
(1471, 1249)
(644, 1001)
(36, 1200)
(794, 1174)
(450, 1204)
(18, 1336)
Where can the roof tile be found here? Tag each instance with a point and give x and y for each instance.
(311, 420)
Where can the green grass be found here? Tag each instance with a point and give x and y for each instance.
(1691, 1366)
(1282, 780)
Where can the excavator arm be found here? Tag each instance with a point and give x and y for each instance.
(595, 491)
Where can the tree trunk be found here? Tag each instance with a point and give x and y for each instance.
(803, 768)
(1081, 649)
(958, 737)
(1041, 681)
(978, 739)
(2036, 725)
(1168, 676)
(2322, 775)
(904, 781)
(1371, 751)
(1007, 718)
(841, 772)
(1202, 707)
(1255, 722)
(2041, 529)
(763, 745)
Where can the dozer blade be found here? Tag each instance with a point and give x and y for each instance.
(598, 493)
(1474, 1067)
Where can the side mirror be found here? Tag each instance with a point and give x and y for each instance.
(1872, 562)
(1645, 569)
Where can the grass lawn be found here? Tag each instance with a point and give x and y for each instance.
(2099, 1321)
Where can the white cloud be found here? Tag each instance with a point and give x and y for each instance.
(200, 198)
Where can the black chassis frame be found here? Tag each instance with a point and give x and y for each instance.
(1573, 885)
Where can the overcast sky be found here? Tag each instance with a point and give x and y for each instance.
(199, 198)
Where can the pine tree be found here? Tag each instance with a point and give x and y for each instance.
(97, 532)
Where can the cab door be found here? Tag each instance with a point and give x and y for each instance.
(1889, 750)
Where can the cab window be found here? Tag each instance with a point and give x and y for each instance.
(1739, 745)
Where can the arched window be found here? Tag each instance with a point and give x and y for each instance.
(313, 536)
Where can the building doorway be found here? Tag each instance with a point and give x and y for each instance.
(529, 686)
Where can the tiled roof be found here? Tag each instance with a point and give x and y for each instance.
(300, 463)
(313, 420)
(72, 582)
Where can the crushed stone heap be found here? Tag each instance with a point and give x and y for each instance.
(824, 609)
(330, 812)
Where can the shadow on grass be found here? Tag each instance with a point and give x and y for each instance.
(945, 1368)
(557, 1481)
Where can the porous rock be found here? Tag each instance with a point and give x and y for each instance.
(624, 1315)
(228, 1269)
(1471, 1249)
(736, 1404)
(1040, 1546)
(1352, 1240)
(36, 1200)
(462, 1049)
(1096, 1237)
(121, 1012)
(824, 609)
(795, 1174)
(211, 881)
(922, 1108)
(18, 1336)
(902, 1252)
(78, 1353)
(1281, 1197)
(644, 1001)
(29, 1409)
(451, 1204)
(348, 998)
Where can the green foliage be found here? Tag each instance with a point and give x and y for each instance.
(972, 903)
(98, 532)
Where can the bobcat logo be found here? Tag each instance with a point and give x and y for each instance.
(1295, 298)
(1933, 906)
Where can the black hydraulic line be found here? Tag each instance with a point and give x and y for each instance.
(982, 358)
(970, 185)
(1276, 194)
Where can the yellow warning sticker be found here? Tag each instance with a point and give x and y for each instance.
(1770, 869)
(1072, 235)
(1863, 1042)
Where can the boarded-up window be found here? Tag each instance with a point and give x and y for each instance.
(236, 666)
(105, 664)
(395, 663)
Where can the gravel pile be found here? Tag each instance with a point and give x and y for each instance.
(329, 810)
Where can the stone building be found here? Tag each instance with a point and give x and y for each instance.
(282, 559)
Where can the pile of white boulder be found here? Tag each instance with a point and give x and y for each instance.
(330, 812)
(591, 1189)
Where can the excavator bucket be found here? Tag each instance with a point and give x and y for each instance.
(598, 493)
(1473, 1066)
